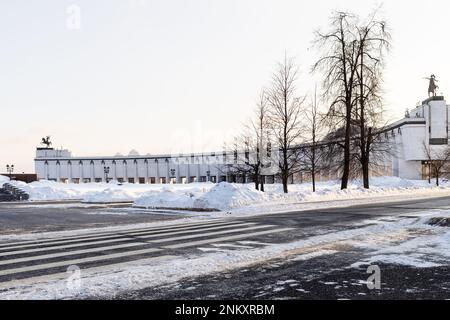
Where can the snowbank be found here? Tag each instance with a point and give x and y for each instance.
(238, 198)
(3, 180)
(244, 198)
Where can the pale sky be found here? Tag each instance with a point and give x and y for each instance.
(178, 76)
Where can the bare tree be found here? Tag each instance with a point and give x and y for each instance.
(438, 161)
(285, 118)
(314, 156)
(249, 147)
(373, 40)
(338, 62)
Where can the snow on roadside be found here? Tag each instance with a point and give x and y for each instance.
(429, 246)
(3, 180)
(240, 199)
(391, 237)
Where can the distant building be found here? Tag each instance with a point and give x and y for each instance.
(423, 127)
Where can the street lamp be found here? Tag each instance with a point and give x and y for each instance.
(10, 170)
(106, 171)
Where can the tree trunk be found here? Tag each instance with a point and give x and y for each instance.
(313, 169)
(346, 170)
(285, 171)
(261, 182)
(285, 179)
(365, 170)
(313, 173)
(437, 178)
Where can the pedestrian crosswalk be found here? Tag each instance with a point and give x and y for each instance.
(25, 261)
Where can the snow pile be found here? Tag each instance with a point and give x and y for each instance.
(110, 195)
(226, 196)
(243, 198)
(167, 198)
(223, 196)
(3, 180)
(240, 198)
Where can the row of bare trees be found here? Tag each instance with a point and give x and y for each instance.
(310, 138)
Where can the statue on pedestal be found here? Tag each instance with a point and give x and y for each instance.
(432, 87)
(46, 141)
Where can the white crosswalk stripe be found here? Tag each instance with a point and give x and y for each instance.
(78, 261)
(206, 234)
(120, 239)
(31, 243)
(64, 275)
(230, 238)
(32, 259)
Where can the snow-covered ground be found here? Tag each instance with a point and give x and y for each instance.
(3, 180)
(239, 199)
(407, 241)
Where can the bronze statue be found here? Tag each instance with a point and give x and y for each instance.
(46, 141)
(432, 86)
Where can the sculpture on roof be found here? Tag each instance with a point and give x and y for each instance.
(46, 141)
(432, 87)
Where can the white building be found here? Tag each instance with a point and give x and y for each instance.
(425, 127)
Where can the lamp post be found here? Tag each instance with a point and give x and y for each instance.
(106, 171)
(10, 170)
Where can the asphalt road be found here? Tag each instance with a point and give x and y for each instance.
(322, 277)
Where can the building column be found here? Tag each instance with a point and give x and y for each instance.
(136, 172)
(80, 164)
(125, 170)
(69, 169)
(158, 177)
(167, 171)
(92, 167)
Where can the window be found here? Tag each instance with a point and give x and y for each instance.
(203, 179)
(86, 180)
(64, 180)
(184, 180)
(213, 179)
(223, 178)
(98, 180)
(130, 180)
(120, 180)
(152, 180)
(141, 180)
(193, 179)
(173, 180)
(76, 180)
(162, 180)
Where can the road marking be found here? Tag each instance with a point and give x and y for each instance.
(78, 261)
(237, 237)
(30, 243)
(71, 253)
(117, 239)
(64, 275)
(206, 234)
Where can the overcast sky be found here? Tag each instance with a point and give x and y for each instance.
(169, 76)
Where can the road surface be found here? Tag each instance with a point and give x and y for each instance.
(318, 278)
